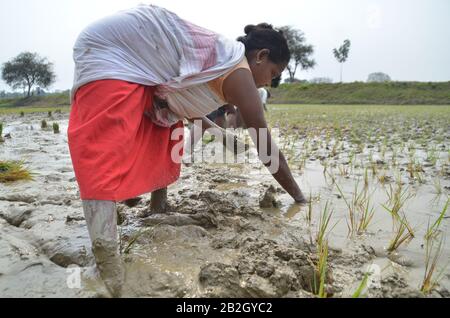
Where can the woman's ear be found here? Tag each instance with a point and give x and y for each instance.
(261, 55)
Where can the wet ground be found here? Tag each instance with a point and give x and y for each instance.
(231, 232)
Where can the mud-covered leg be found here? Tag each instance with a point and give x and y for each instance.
(101, 219)
(159, 201)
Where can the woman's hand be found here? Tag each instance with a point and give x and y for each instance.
(240, 90)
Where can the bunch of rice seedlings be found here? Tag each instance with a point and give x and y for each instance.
(397, 197)
(366, 213)
(11, 171)
(360, 211)
(403, 233)
(431, 277)
(44, 124)
(1, 133)
(49, 114)
(55, 128)
(22, 114)
(433, 230)
(324, 223)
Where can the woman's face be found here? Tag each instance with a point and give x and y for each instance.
(263, 69)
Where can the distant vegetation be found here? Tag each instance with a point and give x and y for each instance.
(359, 93)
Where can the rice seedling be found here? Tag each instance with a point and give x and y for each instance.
(22, 114)
(309, 214)
(437, 187)
(1, 133)
(432, 155)
(322, 268)
(431, 277)
(49, 114)
(44, 124)
(403, 232)
(56, 128)
(362, 286)
(323, 226)
(359, 209)
(397, 197)
(11, 171)
(366, 215)
(366, 178)
(433, 230)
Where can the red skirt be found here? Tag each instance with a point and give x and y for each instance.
(117, 152)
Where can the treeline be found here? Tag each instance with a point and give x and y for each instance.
(359, 93)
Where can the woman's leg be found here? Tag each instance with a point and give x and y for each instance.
(159, 201)
(101, 219)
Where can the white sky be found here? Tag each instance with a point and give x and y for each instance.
(407, 39)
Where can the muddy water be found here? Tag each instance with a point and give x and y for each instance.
(216, 240)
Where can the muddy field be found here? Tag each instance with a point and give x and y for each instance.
(231, 231)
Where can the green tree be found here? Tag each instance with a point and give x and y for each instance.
(341, 54)
(300, 51)
(27, 70)
(378, 77)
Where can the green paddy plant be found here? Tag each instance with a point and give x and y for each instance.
(56, 128)
(310, 210)
(44, 124)
(11, 171)
(49, 114)
(360, 211)
(397, 197)
(432, 155)
(22, 114)
(437, 187)
(1, 133)
(322, 269)
(403, 232)
(366, 178)
(366, 214)
(323, 229)
(433, 230)
(432, 277)
(362, 286)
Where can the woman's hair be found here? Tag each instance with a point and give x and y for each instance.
(264, 36)
(276, 82)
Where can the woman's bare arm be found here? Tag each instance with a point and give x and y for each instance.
(240, 90)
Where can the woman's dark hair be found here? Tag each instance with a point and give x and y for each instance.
(276, 82)
(264, 36)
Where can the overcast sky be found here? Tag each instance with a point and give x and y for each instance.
(407, 39)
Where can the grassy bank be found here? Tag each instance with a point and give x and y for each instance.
(358, 93)
(53, 100)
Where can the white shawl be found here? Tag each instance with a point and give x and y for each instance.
(152, 46)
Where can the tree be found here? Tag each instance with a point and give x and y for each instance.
(341, 54)
(378, 77)
(300, 51)
(27, 70)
